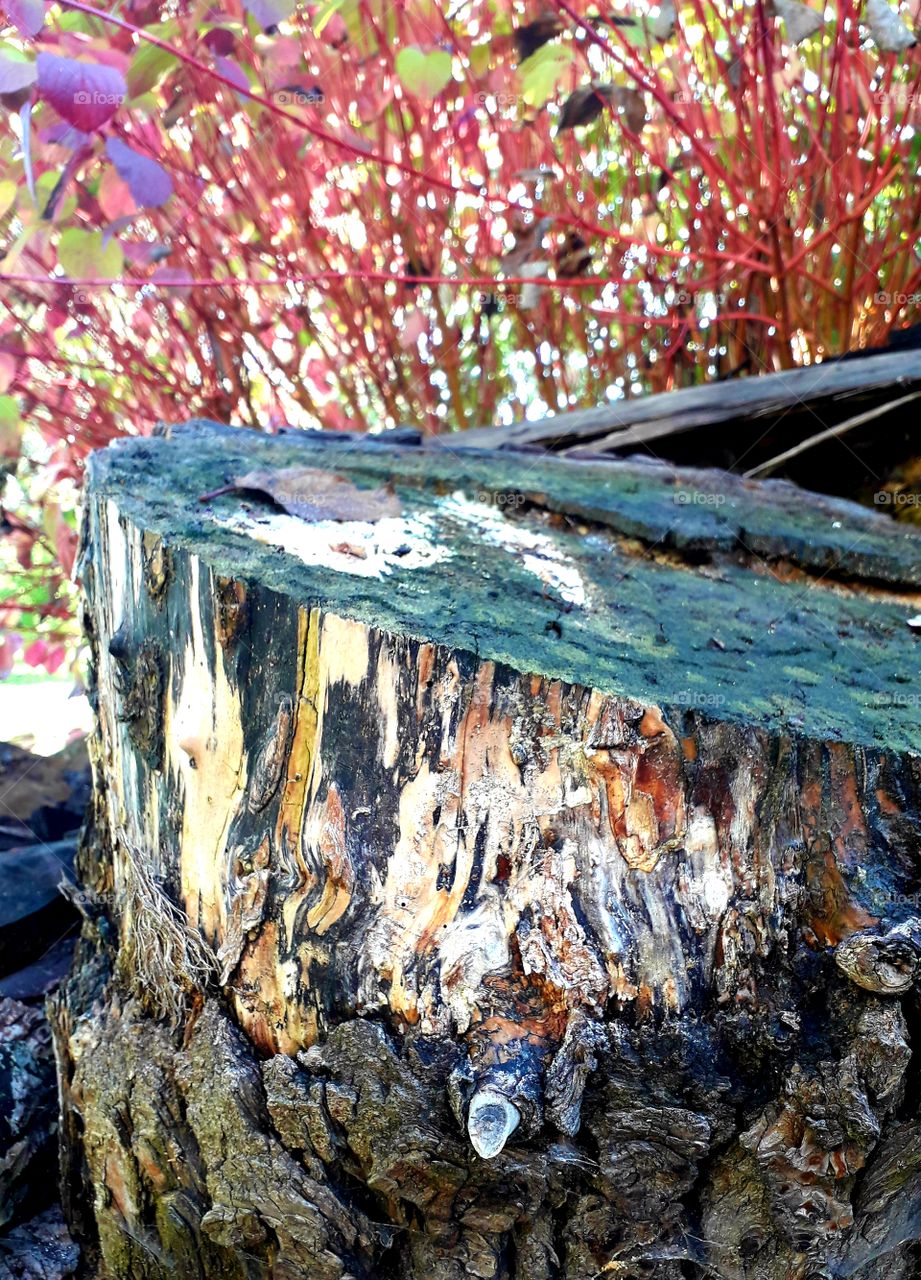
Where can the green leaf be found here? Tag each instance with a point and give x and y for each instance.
(424, 74)
(479, 58)
(542, 72)
(150, 64)
(10, 427)
(83, 255)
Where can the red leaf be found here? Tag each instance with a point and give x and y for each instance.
(54, 659)
(27, 16)
(142, 252)
(115, 199)
(8, 369)
(149, 183)
(85, 94)
(220, 41)
(23, 540)
(36, 653)
(65, 543)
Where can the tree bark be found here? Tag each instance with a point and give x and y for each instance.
(499, 867)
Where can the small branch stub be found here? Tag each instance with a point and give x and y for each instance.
(491, 1121)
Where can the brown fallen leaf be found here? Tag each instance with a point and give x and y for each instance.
(314, 494)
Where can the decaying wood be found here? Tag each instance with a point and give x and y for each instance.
(532, 895)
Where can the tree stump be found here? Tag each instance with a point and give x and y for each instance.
(500, 866)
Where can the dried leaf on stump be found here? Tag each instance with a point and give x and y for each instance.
(313, 494)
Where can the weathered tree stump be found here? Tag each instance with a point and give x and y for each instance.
(501, 867)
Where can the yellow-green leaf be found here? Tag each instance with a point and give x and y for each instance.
(479, 58)
(542, 72)
(10, 427)
(83, 255)
(150, 64)
(8, 190)
(424, 74)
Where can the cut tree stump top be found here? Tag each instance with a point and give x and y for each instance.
(689, 589)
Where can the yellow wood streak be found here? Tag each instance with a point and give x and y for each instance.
(205, 762)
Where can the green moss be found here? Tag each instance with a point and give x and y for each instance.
(804, 654)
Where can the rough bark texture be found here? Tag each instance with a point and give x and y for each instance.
(558, 817)
(27, 1111)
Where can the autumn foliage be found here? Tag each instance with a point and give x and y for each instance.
(362, 213)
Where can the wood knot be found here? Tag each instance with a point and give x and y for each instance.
(885, 963)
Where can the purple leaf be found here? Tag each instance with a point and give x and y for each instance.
(15, 76)
(65, 135)
(27, 16)
(117, 226)
(268, 13)
(148, 181)
(230, 70)
(85, 94)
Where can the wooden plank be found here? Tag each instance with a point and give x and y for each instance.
(627, 424)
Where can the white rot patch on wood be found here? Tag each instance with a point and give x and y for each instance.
(361, 548)
(537, 552)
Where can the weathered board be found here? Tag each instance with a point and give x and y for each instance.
(502, 867)
(832, 390)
